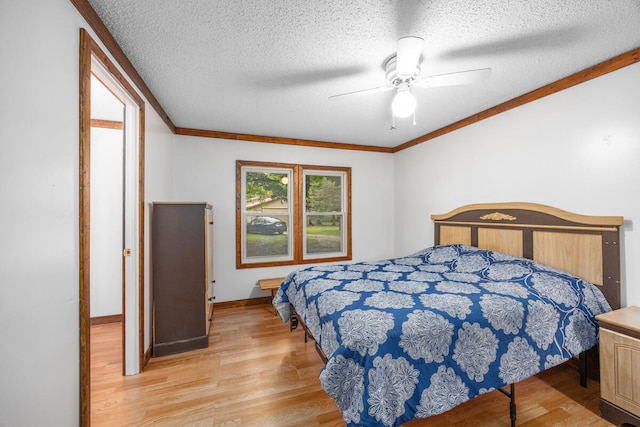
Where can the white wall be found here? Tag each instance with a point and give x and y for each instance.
(39, 369)
(106, 221)
(205, 171)
(106, 204)
(39, 253)
(577, 150)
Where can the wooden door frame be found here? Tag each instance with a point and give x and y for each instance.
(90, 50)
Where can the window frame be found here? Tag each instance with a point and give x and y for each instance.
(310, 171)
(274, 259)
(296, 208)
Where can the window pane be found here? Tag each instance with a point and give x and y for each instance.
(324, 223)
(267, 236)
(264, 189)
(323, 193)
(266, 215)
(324, 234)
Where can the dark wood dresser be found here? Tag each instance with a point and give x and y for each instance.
(181, 275)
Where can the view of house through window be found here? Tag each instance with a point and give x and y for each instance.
(291, 214)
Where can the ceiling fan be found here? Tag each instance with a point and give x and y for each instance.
(402, 73)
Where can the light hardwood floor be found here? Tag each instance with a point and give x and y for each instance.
(256, 373)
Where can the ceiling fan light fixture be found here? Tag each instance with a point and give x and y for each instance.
(404, 103)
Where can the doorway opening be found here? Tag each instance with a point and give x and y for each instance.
(95, 64)
(107, 157)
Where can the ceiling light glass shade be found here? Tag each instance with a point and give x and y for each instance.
(404, 103)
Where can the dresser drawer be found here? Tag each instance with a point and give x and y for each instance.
(619, 360)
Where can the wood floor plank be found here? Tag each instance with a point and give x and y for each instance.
(257, 373)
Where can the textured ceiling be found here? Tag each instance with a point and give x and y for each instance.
(268, 67)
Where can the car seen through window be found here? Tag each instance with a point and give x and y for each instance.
(266, 225)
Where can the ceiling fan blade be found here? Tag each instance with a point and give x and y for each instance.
(457, 78)
(409, 50)
(362, 92)
(279, 79)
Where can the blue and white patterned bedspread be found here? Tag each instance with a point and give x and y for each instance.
(416, 336)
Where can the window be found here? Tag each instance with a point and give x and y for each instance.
(291, 214)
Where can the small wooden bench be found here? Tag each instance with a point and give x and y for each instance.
(271, 284)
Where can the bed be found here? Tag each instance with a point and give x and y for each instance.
(508, 290)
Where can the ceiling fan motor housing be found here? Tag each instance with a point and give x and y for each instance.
(392, 76)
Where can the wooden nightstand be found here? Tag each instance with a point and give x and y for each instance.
(620, 366)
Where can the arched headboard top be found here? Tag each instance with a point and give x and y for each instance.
(585, 245)
(523, 212)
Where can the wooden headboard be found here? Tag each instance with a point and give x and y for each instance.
(587, 246)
